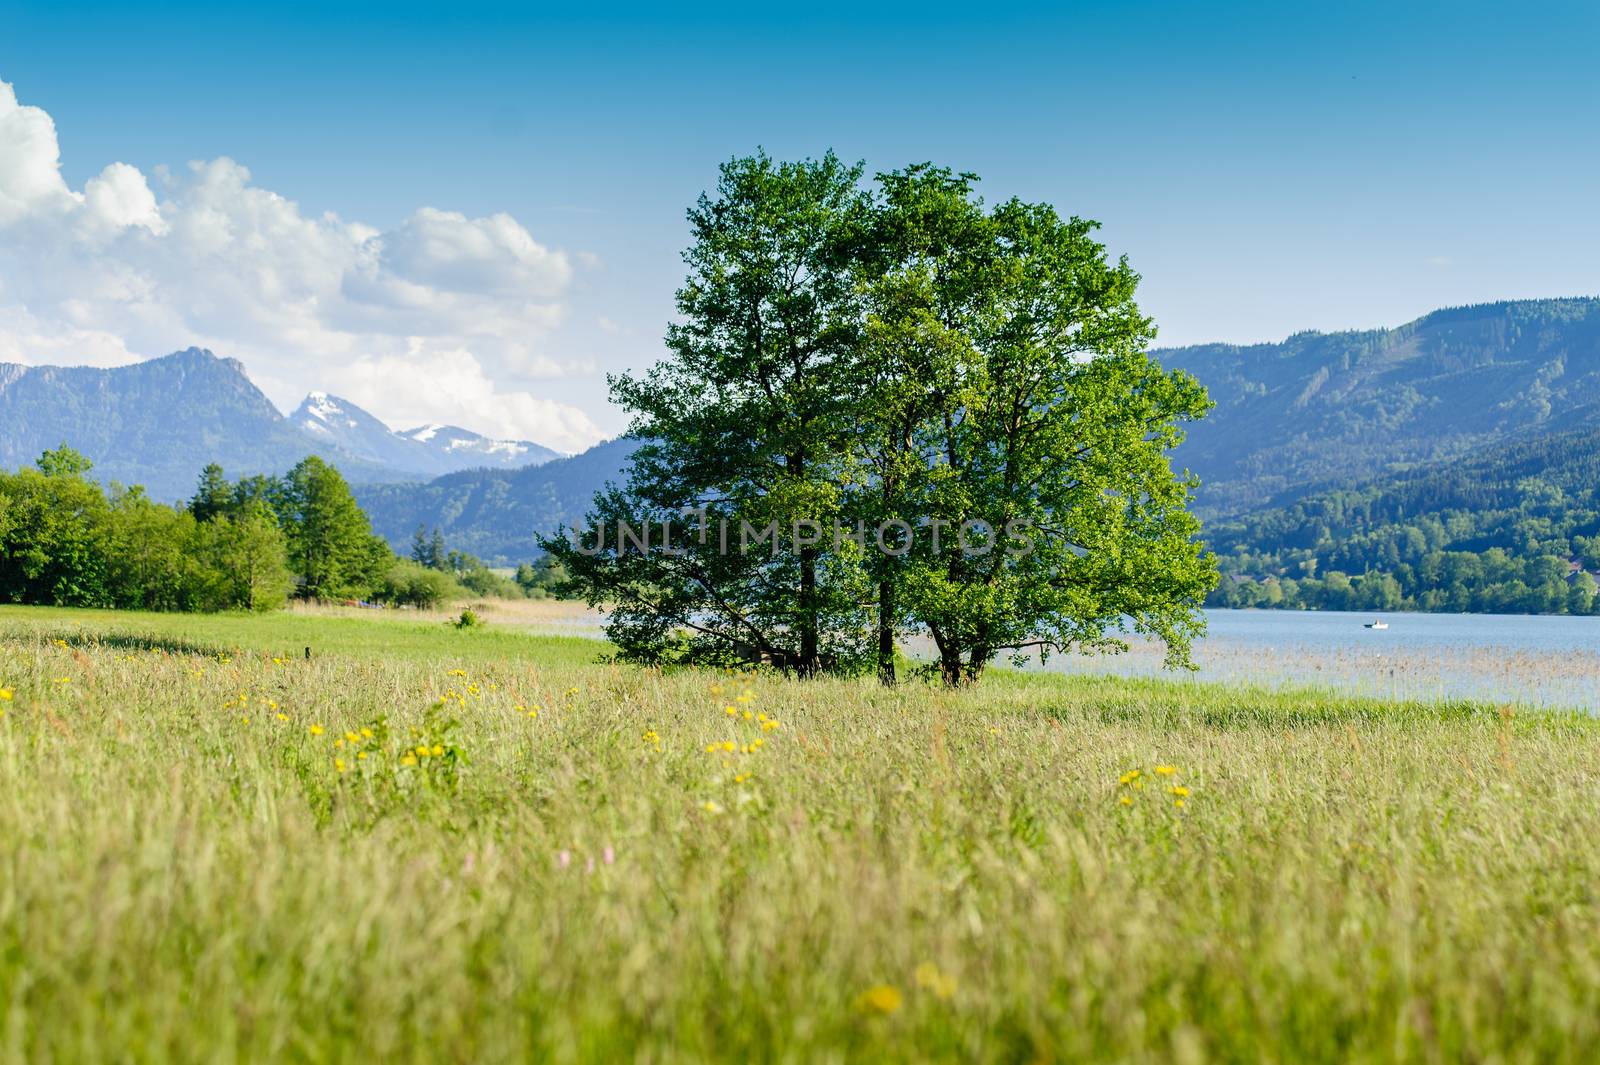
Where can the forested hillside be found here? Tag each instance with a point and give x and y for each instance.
(1514, 529)
(496, 514)
(1323, 409)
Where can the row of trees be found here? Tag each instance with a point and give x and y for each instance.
(532, 580)
(65, 540)
(898, 356)
(1488, 582)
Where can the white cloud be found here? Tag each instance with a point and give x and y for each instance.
(30, 163)
(440, 318)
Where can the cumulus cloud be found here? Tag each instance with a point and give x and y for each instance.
(439, 318)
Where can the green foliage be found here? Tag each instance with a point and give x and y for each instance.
(64, 541)
(1009, 385)
(846, 359)
(408, 584)
(748, 421)
(213, 496)
(1511, 530)
(248, 548)
(545, 578)
(331, 545)
(63, 462)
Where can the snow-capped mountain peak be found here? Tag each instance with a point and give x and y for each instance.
(429, 450)
(474, 449)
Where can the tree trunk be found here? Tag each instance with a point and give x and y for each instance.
(950, 671)
(810, 663)
(886, 633)
(977, 658)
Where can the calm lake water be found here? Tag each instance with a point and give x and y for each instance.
(1538, 661)
(1503, 658)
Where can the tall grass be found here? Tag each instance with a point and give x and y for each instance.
(569, 874)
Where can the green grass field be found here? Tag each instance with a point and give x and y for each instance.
(423, 844)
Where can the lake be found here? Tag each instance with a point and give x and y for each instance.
(1521, 659)
(1511, 658)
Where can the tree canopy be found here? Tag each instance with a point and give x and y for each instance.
(895, 410)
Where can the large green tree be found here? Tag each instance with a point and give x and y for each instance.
(968, 389)
(747, 424)
(247, 548)
(331, 546)
(57, 534)
(1049, 517)
(928, 236)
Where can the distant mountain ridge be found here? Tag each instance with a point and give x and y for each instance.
(1322, 409)
(1315, 413)
(157, 423)
(497, 514)
(427, 451)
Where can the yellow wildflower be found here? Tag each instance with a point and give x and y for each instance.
(929, 978)
(1126, 800)
(409, 759)
(5, 695)
(1129, 777)
(438, 750)
(315, 730)
(1180, 791)
(1166, 770)
(422, 752)
(881, 999)
(338, 763)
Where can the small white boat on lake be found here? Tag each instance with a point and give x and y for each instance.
(1376, 625)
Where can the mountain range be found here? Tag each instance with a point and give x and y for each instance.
(1322, 409)
(428, 450)
(1316, 417)
(157, 423)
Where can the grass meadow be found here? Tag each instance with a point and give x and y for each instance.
(425, 844)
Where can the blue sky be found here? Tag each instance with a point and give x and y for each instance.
(1266, 168)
